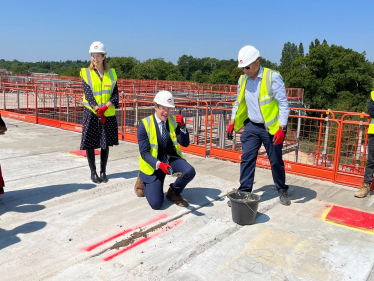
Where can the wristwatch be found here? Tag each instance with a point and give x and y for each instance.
(283, 128)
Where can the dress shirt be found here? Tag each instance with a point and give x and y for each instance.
(160, 127)
(252, 92)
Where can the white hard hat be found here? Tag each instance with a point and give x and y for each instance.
(247, 55)
(164, 98)
(97, 47)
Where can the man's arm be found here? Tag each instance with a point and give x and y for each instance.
(371, 109)
(145, 147)
(279, 92)
(236, 105)
(183, 138)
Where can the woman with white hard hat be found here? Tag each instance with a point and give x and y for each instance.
(100, 129)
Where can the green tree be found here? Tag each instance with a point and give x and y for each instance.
(187, 65)
(222, 77)
(333, 77)
(266, 63)
(289, 54)
(301, 50)
(122, 65)
(208, 65)
(154, 69)
(199, 77)
(72, 71)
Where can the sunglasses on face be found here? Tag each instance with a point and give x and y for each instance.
(247, 67)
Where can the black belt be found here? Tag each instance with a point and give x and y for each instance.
(246, 121)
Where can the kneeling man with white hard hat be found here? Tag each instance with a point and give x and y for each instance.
(159, 137)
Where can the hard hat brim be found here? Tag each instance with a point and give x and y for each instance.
(166, 105)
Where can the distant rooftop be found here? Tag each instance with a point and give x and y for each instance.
(43, 74)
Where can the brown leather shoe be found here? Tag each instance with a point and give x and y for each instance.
(176, 198)
(139, 191)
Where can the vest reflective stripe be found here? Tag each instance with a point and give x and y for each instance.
(89, 79)
(271, 122)
(150, 127)
(265, 102)
(371, 126)
(268, 104)
(269, 110)
(102, 90)
(241, 114)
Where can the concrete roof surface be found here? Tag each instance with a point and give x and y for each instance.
(55, 224)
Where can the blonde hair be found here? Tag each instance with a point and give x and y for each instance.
(92, 65)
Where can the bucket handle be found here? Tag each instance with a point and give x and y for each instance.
(250, 208)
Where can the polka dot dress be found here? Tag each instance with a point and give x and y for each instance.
(95, 134)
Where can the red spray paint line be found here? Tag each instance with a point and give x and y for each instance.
(143, 240)
(351, 218)
(90, 248)
(83, 152)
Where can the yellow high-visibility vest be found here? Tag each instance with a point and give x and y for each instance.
(268, 105)
(150, 127)
(102, 90)
(371, 126)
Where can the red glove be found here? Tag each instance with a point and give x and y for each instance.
(102, 110)
(229, 132)
(165, 168)
(278, 137)
(179, 119)
(102, 119)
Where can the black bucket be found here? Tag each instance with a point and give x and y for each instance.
(244, 207)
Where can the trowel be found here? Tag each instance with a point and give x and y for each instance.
(177, 174)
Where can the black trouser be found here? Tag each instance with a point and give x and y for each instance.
(253, 136)
(369, 167)
(103, 159)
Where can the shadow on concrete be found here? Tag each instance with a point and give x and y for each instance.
(201, 195)
(297, 194)
(124, 175)
(197, 196)
(9, 237)
(261, 218)
(27, 200)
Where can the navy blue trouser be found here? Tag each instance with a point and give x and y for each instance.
(154, 190)
(253, 136)
(369, 167)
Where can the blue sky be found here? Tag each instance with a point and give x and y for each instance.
(60, 30)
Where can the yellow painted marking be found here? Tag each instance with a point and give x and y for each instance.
(325, 213)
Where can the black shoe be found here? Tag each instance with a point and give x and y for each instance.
(283, 198)
(95, 178)
(229, 203)
(103, 177)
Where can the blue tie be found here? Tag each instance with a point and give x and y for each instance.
(163, 139)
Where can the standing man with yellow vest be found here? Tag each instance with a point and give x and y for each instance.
(262, 108)
(369, 167)
(100, 129)
(159, 136)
